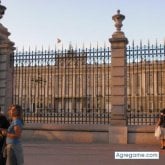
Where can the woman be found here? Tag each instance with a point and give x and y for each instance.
(161, 123)
(14, 149)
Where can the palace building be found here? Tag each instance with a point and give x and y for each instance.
(80, 82)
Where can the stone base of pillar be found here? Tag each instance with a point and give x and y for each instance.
(118, 117)
(118, 122)
(118, 135)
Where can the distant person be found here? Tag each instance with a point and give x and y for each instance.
(4, 124)
(14, 150)
(161, 123)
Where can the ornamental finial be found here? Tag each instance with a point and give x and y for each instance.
(118, 18)
(118, 11)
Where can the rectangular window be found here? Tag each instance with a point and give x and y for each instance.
(149, 83)
(89, 85)
(107, 84)
(160, 84)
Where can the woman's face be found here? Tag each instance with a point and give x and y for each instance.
(11, 111)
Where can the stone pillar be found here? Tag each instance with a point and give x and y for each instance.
(118, 83)
(6, 65)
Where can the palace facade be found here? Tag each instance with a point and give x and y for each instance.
(77, 83)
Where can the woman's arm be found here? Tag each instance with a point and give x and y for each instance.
(17, 133)
(158, 122)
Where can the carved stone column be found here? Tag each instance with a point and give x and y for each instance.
(118, 130)
(6, 65)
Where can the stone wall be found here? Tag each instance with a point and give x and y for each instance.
(6, 65)
(101, 134)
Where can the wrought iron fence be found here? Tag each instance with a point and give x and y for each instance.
(142, 118)
(145, 81)
(73, 86)
(68, 86)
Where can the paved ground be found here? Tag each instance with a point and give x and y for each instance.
(87, 154)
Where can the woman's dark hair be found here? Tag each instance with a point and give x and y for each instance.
(162, 111)
(18, 109)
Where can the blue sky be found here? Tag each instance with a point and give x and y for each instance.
(40, 22)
